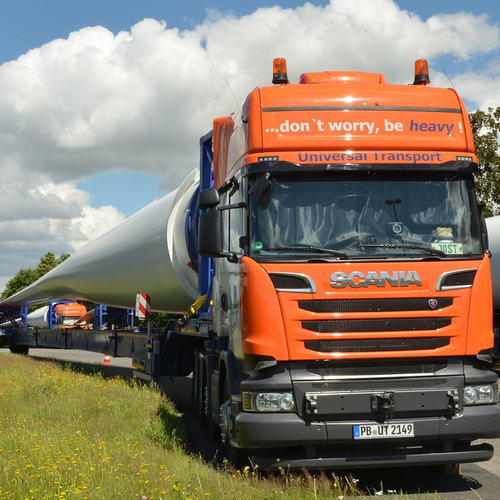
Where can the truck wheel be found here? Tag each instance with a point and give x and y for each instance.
(202, 396)
(214, 426)
(215, 432)
(237, 456)
(194, 383)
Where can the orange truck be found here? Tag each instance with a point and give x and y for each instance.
(340, 312)
(68, 313)
(351, 293)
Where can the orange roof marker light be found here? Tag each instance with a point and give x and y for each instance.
(280, 75)
(421, 72)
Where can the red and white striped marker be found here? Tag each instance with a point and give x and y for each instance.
(143, 305)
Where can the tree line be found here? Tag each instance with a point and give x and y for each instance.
(27, 276)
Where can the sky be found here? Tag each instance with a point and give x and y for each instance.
(102, 102)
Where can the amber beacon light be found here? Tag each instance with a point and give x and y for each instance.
(280, 75)
(421, 72)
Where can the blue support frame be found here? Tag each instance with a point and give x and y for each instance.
(24, 316)
(205, 264)
(105, 314)
(12, 313)
(51, 316)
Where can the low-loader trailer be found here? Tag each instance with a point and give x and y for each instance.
(330, 269)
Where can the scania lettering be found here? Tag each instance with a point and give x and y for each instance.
(329, 272)
(357, 279)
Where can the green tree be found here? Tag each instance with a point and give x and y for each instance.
(48, 262)
(486, 132)
(21, 280)
(26, 277)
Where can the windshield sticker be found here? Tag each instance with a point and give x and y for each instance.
(364, 129)
(258, 245)
(315, 125)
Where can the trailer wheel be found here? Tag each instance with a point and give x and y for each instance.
(19, 349)
(237, 456)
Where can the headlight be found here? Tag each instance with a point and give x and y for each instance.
(268, 401)
(480, 394)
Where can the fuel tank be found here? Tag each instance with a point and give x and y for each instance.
(152, 252)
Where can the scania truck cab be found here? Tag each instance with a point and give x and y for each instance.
(351, 277)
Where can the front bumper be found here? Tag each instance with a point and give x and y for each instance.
(285, 440)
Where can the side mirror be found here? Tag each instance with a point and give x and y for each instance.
(208, 198)
(210, 243)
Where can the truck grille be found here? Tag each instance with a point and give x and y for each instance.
(375, 325)
(398, 325)
(373, 305)
(372, 368)
(368, 345)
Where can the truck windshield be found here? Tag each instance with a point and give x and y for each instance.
(66, 320)
(375, 214)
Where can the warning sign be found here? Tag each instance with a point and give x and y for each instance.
(143, 306)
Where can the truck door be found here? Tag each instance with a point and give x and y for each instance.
(227, 316)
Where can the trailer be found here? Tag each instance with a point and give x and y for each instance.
(328, 272)
(66, 324)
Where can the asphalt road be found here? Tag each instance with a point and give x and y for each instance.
(475, 481)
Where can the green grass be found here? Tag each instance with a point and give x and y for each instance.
(70, 435)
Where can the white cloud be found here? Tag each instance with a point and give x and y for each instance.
(92, 224)
(481, 89)
(140, 99)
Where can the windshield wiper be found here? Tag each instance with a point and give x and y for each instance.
(428, 250)
(337, 253)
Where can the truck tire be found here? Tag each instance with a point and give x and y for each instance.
(237, 456)
(214, 430)
(194, 383)
(202, 410)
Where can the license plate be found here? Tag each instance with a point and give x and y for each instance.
(449, 248)
(378, 431)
